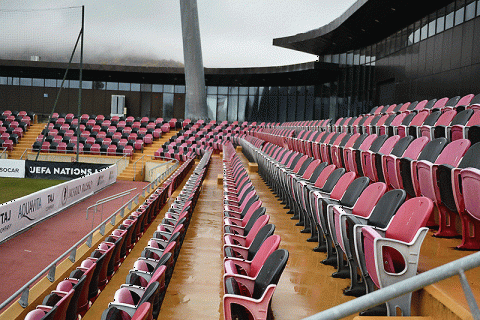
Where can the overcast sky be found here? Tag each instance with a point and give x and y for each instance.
(234, 33)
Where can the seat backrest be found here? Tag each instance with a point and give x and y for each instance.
(268, 246)
(446, 118)
(411, 216)
(143, 311)
(386, 207)
(265, 232)
(419, 119)
(452, 102)
(317, 172)
(253, 218)
(270, 273)
(432, 118)
(342, 184)
(295, 160)
(388, 145)
(359, 141)
(471, 158)
(462, 117)
(415, 147)
(397, 120)
(378, 143)
(150, 293)
(323, 176)
(354, 191)
(369, 198)
(257, 226)
(471, 189)
(389, 119)
(453, 152)
(414, 104)
(429, 104)
(304, 166)
(433, 149)
(332, 180)
(440, 103)
(407, 119)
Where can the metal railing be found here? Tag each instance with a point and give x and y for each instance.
(158, 179)
(4, 154)
(25, 153)
(135, 166)
(457, 267)
(71, 253)
(105, 200)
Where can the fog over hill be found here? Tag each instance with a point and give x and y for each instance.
(103, 56)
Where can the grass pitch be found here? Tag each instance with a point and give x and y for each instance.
(12, 188)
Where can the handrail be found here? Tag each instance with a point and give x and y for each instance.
(457, 267)
(88, 240)
(105, 200)
(135, 165)
(3, 151)
(161, 177)
(24, 151)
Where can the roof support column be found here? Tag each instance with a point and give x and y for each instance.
(195, 99)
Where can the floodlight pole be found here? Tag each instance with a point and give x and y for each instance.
(195, 97)
(80, 81)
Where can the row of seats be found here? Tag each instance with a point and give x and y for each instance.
(323, 196)
(253, 263)
(13, 126)
(75, 295)
(195, 138)
(147, 282)
(420, 166)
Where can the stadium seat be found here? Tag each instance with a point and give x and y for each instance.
(392, 254)
(255, 301)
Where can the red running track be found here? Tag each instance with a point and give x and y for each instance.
(23, 257)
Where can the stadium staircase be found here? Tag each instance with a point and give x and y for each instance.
(138, 174)
(26, 142)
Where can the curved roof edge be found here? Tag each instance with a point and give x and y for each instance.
(364, 23)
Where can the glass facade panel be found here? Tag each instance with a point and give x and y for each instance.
(3, 80)
(50, 83)
(179, 89)
(223, 90)
(135, 87)
(38, 82)
(167, 105)
(123, 86)
(59, 83)
(243, 91)
(168, 88)
(212, 106)
(26, 82)
(233, 90)
(242, 106)
(232, 107)
(74, 84)
(424, 30)
(470, 11)
(211, 90)
(432, 24)
(449, 16)
(222, 107)
(157, 88)
(87, 84)
(460, 12)
(478, 8)
(112, 85)
(416, 33)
